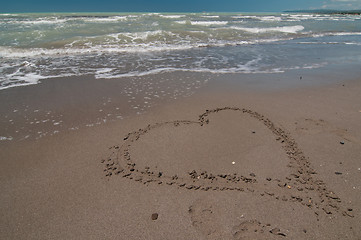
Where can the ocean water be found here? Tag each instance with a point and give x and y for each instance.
(116, 45)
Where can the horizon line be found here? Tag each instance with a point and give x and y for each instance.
(154, 12)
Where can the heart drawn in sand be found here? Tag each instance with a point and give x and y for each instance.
(226, 149)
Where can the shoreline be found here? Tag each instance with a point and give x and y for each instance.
(56, 187)
(67, 104)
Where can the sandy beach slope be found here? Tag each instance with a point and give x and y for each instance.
(225, 163)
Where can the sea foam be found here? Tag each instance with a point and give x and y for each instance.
(284, 29)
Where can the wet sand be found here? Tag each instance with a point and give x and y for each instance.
(227, 162)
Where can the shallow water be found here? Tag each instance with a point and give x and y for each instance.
(38, 46)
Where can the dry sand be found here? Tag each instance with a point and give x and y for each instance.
(225, 163)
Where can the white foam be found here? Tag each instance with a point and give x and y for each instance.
(210, 16)
(6, 138)
(42, 21)
(108, 19)
(353, 43)
(270, 19)
(261, 18)
(298, 17)
(56, 20)
(209, 23)
(316, 35)
(151, 14)
(319, 17)
(203, 23)
(8, 14)
(145, 35)
(247, 68)
(104, 70)
(23, 80)
(7, 52)
(182, 22)
(346, 34)
(284, 29)
(172, 16)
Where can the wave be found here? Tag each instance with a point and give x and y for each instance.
(7, 52)
(144, 36)
(285, 29)
(55, 20)
(25, 79)
(8, 14)
(242, 69)
(297, 17)
(210, 16)
(161, 40)
(261, 18)
(245, 69)
(106, 19)
(203, 23)
(318, 17)
(328, 34)
(346, 34)
(172, 16)
(45, 21)
(110, 73)
(10, 52)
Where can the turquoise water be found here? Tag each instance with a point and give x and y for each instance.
(115, 45)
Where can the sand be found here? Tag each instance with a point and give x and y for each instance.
(226, 163)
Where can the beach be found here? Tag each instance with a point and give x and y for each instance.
(180, 126)
(228, 162)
